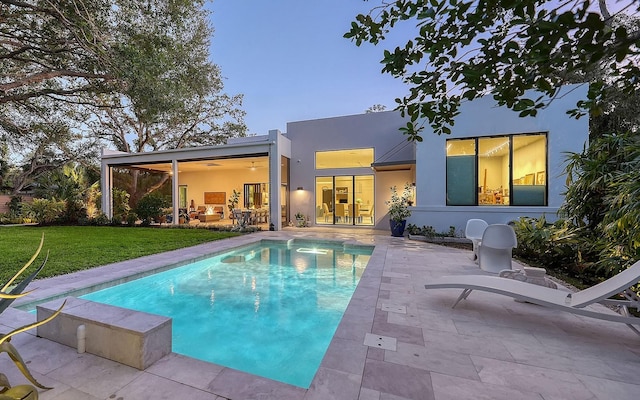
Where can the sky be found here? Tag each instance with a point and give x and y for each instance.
(289, 60)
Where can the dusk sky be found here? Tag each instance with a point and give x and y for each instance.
(289, 59)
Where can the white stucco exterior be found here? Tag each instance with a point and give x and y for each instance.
(374, 130)
(482, 118)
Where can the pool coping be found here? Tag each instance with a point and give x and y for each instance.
(359, 312)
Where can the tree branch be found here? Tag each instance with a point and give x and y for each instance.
(41, 76)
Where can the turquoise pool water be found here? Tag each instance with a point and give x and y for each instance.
(270, 309)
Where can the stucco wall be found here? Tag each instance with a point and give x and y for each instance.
(483, 118)
(377, 130)
(384, 181)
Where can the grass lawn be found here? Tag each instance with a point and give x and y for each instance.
(74, 248)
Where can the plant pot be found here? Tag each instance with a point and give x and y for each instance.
(397, 227)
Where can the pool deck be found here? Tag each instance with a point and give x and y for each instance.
(396, 340)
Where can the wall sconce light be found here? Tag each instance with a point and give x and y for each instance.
(300, 188)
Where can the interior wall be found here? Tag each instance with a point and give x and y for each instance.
(493, 166)
(526, 159)
(220, 181)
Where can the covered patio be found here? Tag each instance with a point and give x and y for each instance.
(248, 174)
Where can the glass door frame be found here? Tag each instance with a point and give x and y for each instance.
(342, 193)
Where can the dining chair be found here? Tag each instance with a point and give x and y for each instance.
(341, 212)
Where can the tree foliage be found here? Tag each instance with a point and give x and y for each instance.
(74, 73)
(466, 49)
(376, 108)
(52, 55)
(173, 96)
(69, 184)
(54, 49)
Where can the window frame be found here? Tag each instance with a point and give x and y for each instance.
(476, 139)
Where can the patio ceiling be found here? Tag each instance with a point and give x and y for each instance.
(213, 165)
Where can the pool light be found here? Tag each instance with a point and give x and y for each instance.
(312, 251)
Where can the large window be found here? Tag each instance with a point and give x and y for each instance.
(497, 171)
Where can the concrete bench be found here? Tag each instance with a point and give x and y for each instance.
(129, 337)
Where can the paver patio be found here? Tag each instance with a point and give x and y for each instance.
(396, 341)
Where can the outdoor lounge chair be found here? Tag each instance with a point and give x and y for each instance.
(554, 298)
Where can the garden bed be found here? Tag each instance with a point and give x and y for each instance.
(462, 243)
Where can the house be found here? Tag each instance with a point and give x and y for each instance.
(338, 171)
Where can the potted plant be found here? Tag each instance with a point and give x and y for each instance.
(301, 219)
(399, 209)
(234, 200)
(183, 216)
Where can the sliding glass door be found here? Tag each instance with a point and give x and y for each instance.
(345, 200)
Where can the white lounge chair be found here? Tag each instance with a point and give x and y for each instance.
(474, 230)
(554, 298)
(495, 249)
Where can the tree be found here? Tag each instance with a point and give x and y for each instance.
(619, 114)
(69, 184)
(466, 49)
(51, 142)
(376, 108)
(173, 97)
(54, 49)
(122, 68)
(51, 52)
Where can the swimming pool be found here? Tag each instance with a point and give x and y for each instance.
(270, 309)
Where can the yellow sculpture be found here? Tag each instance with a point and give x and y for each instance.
(20, 392)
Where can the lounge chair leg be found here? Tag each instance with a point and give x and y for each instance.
(625, 311)
(465, 293)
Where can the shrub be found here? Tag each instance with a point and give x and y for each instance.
(74, 211)
(4, 219)
(603, 199)
(430, 232)
(150, 207)
(100, 220)
(15, 206)
(121, 206)
(44, 211)
(132, 218)
(556, 247)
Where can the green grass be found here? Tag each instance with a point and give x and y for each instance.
(75, 248)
